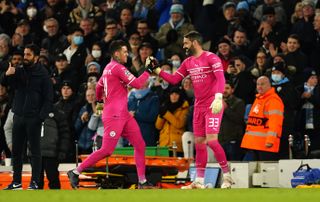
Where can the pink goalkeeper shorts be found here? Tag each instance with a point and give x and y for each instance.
(204, 122)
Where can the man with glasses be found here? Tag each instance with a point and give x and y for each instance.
(111, 33)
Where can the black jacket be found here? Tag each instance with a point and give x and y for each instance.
(232, 123)
(33, 91)
(290, 99)
(56, 137)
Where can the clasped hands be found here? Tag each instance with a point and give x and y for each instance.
(151, 64)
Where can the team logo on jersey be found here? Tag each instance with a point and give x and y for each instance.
(112, 133)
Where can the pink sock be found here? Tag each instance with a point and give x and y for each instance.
(140, 161)
(135, 138)
(219, 154)
(106, 150)
(201, 159)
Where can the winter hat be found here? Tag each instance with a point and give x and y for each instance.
(280, 66)
(308, 3)
(176, 89)
(177, 8)
(227, 5)
(61, 56)
(67, 83)
(243, 5)
(309, 73)
(95, 64)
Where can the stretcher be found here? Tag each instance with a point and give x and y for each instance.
(119, 171)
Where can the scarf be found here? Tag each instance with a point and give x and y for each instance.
(177, 24)
(308, 107)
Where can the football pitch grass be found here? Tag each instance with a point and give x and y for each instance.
(164, 195)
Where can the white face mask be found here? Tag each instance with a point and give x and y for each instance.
(96, 53)
(276, 77)
(175, 63)
(31, 12)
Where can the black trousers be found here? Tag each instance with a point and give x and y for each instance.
(50, 167)
(26, 129)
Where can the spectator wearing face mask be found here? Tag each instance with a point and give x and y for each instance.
(97, 55)
(176, 62)
(76, 53)
(290, 99)
(32, 15)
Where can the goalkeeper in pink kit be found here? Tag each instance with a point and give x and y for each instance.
(117, 121)
(206, 72)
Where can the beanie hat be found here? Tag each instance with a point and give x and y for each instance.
(228, 4)
(176, 8)
(67, 83)
(280, 66)
(95, 64)
(310, 73)
(243, 5)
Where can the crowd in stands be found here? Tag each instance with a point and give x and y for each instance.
(276, 38)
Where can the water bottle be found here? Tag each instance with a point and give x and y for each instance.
(174, 148)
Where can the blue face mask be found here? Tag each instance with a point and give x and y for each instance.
(78, 40)
(276, 77)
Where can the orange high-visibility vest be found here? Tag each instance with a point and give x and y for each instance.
(264, 123)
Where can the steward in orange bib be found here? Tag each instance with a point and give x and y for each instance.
(265, 119)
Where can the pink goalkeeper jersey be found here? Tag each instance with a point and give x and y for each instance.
(206, 73)
(114, 83)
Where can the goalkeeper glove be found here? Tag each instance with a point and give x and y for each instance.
(151, 64)
(217, 104)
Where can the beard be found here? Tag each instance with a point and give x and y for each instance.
(27, 63)
(189, 51)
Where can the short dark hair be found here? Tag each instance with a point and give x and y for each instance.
(111, 21)
(230, 83)
(143, 21)
(34, 48)
(294, 36)
(116, 46)
(76, 29)
(194, 36)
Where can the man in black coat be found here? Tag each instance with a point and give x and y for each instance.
(55, 142)
(289, 96)
(31, 105)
